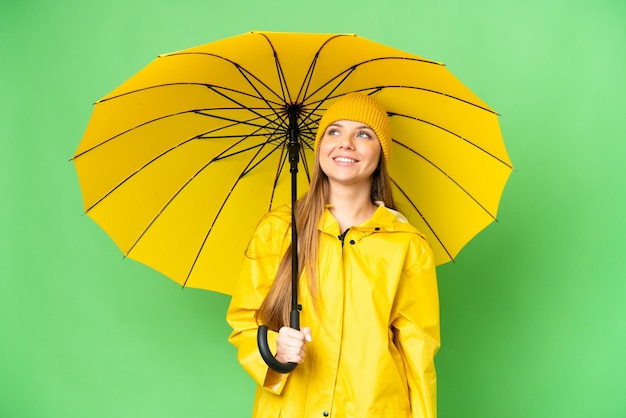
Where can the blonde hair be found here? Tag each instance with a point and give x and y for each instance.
(275, 309)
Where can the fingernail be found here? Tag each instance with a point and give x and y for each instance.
(308, 338)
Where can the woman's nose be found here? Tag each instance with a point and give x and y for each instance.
(347, 141)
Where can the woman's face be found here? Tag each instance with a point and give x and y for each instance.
(349, 152)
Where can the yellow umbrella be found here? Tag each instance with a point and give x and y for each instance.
(179, 163)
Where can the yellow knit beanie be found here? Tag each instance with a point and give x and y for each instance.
(358, 107)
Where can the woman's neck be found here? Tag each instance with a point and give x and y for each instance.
(351, 206)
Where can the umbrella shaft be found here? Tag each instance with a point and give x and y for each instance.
(294, 151)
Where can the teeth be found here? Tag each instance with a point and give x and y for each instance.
(345, 160)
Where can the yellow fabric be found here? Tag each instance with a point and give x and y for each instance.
(358, 107)
(179, 162)
(375, 331)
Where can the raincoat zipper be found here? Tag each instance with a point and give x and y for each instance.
(329, 411)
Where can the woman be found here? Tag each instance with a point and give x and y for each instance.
(367, 287)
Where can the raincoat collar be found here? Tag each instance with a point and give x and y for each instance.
(383, 220)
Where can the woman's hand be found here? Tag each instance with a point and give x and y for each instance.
(290, 344)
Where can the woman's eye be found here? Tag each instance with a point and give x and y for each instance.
(363, 135)
(333, 132)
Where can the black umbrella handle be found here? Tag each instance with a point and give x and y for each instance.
(266, 353)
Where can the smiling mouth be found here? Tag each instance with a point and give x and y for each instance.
(345, 160)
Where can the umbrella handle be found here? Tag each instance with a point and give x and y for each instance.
(268, 357)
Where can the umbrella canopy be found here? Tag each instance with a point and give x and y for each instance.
(179, 163)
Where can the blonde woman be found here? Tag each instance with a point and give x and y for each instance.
(367, 285)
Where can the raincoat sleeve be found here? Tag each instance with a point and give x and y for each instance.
(416, 327)
(261, 262)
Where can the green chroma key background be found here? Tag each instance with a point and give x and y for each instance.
(533, 311)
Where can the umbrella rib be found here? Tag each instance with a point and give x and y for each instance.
(206, 237)
(282, 163)
(180, 83)
(447, 176)
(423, 218)
(216, 89)
(179, 190)
(241, 70)
(130, 176)
(196, 111)
(346, 73)
(436, 92)
(306, 83)
(307, 78)
(309, 75)
(307, 119)
(156, 158)
(391, 114)
(252, 167)
(279, 71)
(154, 219)
(279, 169)
(349, 71)
(235, 122)
(309, 132)
(270, 105)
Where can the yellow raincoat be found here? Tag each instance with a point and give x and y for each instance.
(375, 329)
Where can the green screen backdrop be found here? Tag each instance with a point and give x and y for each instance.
(533, 309)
